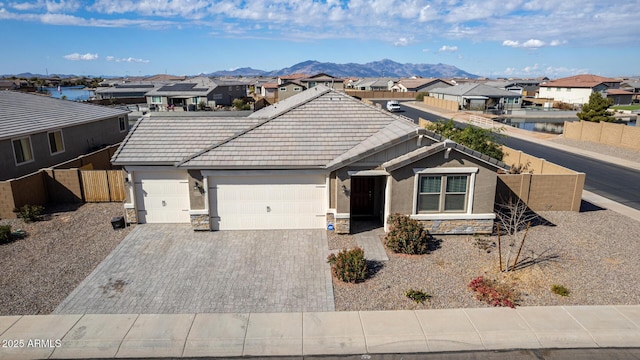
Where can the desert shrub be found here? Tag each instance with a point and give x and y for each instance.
(418, 296)
(5, 234)
(29, 213)
(560, 290)
(493, 293)
(349, 265)
(406, 235)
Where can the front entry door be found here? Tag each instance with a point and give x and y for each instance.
(362, 196)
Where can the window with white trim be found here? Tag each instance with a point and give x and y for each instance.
(442, 193)
(122, 124)
(283, 89)
(56, 144)
(156, 99)
(22, 150)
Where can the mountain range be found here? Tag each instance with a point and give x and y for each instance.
(382, 68)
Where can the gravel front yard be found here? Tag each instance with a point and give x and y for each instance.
(39, 271)
(593, 254)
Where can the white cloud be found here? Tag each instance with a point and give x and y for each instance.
(83, 57)
(536, 70)
(447, 48)
(403, 41)
(581, 22)
(531, 43)
(128, 59)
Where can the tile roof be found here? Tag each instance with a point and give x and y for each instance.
(22, 113)
(168, 140)
(420, 82)
(580, 81)
(319, 128)
(472, 89)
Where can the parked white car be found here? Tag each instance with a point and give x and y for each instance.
(393, 106)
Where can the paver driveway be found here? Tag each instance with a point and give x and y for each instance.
(169, 268)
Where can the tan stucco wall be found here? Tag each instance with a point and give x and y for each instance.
(605, 133)
(402, 187)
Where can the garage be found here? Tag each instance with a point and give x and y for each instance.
(269, 201)
(162, 197)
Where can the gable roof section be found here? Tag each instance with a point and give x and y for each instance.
(580, 81)
(432, 149)
(309, 133)
(164, 140)
(420, 82)
(24, 114)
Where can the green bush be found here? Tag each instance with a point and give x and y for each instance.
(560, 290)
(418, 296)
(29, 213)
(406, 235)
(5, 234)
(349, 265)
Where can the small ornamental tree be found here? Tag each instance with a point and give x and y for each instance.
(486, 141)
(596, 109)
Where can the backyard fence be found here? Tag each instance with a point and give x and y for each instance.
(64, 185)
(102, 185)
(544, 186)
(448, 105)
(604, 133)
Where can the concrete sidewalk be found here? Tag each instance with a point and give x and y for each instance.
(318, 333)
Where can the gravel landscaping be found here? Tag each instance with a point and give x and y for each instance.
(593, 254)
(39, 271)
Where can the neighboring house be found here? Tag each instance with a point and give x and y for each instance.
(127, 90)
(39, 131)
(632, 86)
(288, 89)
(576, 89)
(373, 84)
(291, 77)
(188, 94)
(525, 87)
(317, 159)
(620, 97)
(322, 79)
(269, 91)
(479, 97)
(419, 84)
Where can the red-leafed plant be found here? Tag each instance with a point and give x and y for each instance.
(493, 293)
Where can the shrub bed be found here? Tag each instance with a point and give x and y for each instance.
(406, 235)
(349, 265)
(493, 293)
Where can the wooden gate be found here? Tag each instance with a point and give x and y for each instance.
(103, 185)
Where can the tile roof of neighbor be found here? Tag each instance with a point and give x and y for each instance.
(580, 81)
(472, 89)
(420, 82)
(22, 114)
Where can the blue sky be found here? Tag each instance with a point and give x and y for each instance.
(494, 38)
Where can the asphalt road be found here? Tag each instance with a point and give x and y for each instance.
(614, 182)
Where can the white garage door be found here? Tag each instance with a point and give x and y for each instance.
(267, 202)
(162, 197)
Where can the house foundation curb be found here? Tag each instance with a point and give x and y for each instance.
(318, 333)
